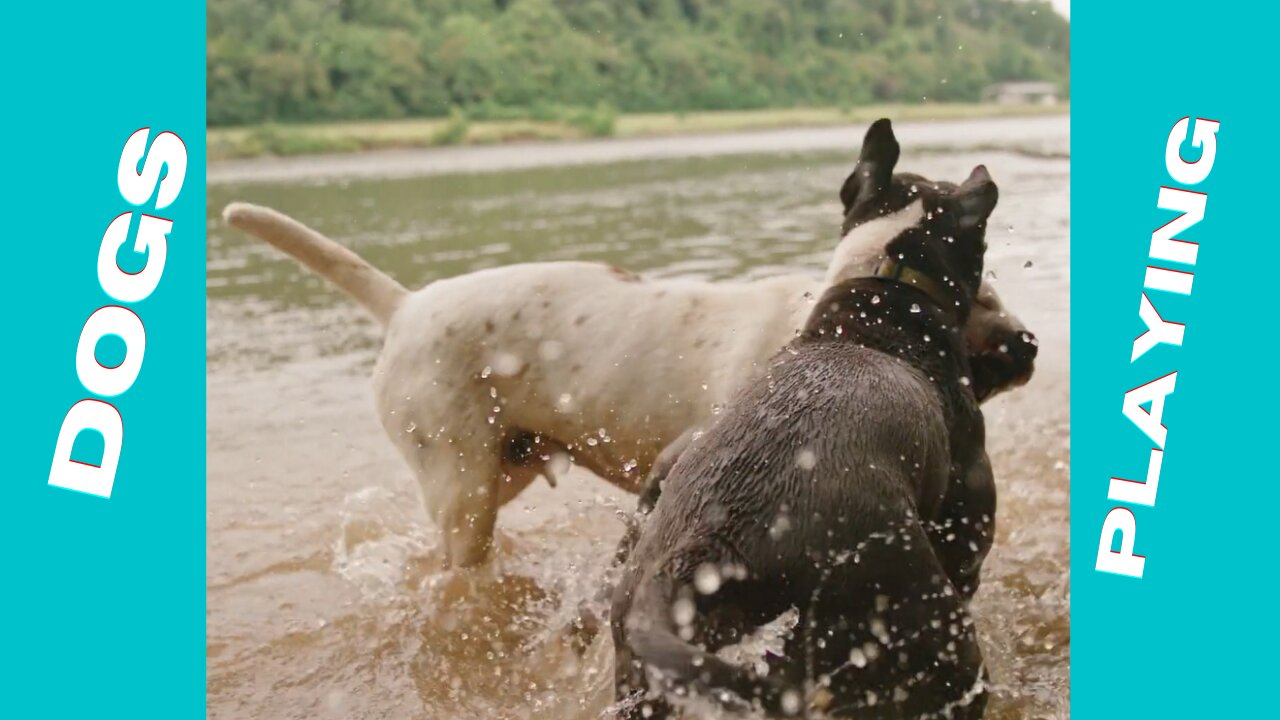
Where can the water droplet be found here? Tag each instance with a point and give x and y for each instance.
(683, 611)
(706, 578)
(781, 526)
(551, 350)
(791, 702)
(806, 459)
(506, 365)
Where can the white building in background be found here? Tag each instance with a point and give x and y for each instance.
(1021, 93)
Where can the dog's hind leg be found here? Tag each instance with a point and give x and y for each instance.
(887, 636)
(461, 489)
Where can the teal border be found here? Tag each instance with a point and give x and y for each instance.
(1196, 636)
(102, 601)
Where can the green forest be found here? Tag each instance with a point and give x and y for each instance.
(322, 60)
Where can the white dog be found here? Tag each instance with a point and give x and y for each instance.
(490, 379)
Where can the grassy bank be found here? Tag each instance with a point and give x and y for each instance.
(286, 140)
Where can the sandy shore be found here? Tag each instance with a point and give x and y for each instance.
(1031, 134)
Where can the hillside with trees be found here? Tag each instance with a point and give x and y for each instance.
(314, 60)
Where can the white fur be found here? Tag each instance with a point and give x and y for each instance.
(597, 362)
(862, 248)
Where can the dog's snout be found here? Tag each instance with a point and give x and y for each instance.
(1019, 355)
(1007, 362)
(1017, 351)
(1023, 347)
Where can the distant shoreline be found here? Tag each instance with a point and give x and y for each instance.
(1042, 135)
(291, 140)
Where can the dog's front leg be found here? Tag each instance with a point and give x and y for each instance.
(653, 490)
(962, 532)
(589, 621)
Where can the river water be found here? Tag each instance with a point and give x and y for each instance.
(326, 598)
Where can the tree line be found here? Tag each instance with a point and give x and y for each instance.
(311, 60)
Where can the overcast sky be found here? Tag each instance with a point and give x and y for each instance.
(1062, 6)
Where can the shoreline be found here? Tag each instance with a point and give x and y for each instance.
(1042, 134)
(296, 140)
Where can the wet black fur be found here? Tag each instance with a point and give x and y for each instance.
(865, 195)
(877, 536)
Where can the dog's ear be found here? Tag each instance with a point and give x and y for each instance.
(977, 197)
(874, 170)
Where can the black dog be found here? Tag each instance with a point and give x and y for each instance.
(851, 482)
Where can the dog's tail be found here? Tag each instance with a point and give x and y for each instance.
(367, 285)
(652, 637)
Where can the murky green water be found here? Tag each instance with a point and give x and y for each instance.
(325, 593)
